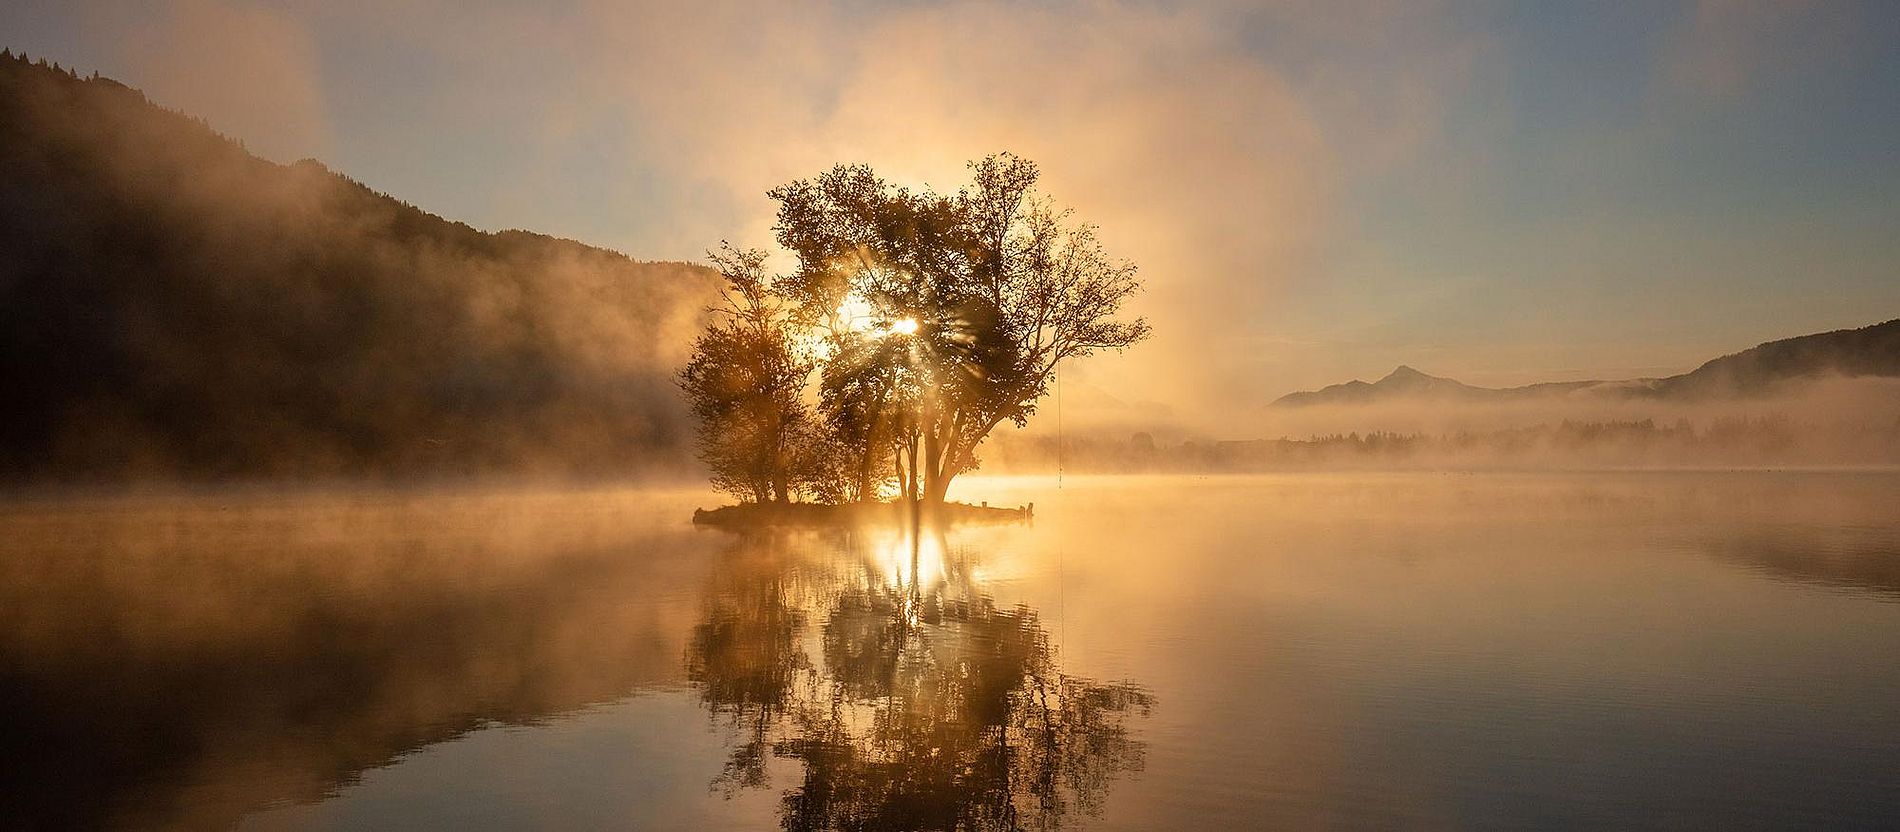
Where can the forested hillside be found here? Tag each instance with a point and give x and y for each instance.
(173, 306)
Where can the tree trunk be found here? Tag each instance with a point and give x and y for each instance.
(946, 461)
(946, 469)
(865, 492)
(955, 459)
(865, 464)
(897, 468)
(779, 475)
(939, 488)
(913, 488)
(933, 461)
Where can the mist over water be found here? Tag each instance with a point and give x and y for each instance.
(322, 511)
(1830, 421)
(1349, 649)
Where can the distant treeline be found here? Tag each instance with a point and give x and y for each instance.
(173, 306)
(1736, 440)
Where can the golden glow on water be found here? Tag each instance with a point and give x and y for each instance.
(1375, 646)
(907, 559)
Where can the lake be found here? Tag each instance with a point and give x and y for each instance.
(1357, 650)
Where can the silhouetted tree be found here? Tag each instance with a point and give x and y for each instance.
(980, 294)
(863, 392)
(745, 383)
(933, 318)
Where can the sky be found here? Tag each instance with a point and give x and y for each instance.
(1315, 190)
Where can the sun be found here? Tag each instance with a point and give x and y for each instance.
(904, 326)
(855, 313)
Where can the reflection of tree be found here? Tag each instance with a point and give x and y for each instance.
(744, 657)
(931, 708)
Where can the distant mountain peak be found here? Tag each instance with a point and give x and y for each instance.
(1407, 381)
(1867, 351)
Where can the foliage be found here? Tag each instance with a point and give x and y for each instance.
(939, 316)
(745, 385)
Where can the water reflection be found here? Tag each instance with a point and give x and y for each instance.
(1866, 560)
(1352, 651)
(875, 663)
(180, 663)
(1825, 530)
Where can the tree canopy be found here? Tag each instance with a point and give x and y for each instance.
(929, 318)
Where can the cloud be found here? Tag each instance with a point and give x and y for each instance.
(1217, 171)
(1213, 144)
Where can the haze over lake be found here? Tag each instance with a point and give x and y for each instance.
(949, 415)
(1362, 650)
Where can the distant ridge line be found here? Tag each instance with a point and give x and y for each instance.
(1867, 351)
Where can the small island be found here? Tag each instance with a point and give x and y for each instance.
(827, 515)
(855, 388)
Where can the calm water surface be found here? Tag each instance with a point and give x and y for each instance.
(1663, 650)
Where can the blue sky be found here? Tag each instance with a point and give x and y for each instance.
(1497, 192)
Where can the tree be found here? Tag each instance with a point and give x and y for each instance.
(933, 318)
(977, 296)
(745, 383)
(861, 391)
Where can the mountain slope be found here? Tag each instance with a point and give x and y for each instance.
(1868, 351)
(172, 305)
(1407, 383)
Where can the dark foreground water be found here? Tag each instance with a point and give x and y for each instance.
(1664, 650)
